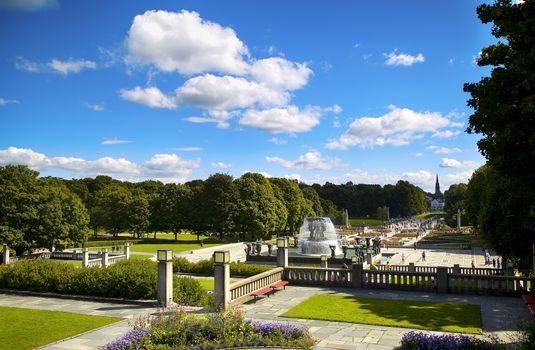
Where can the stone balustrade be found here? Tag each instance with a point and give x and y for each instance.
(240, 291)
(333, 277)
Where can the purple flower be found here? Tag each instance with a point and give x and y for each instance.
(128, 341)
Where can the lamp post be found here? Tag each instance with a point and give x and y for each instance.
(165, 277)
(282, 252)
(222, 278)
(354, 259)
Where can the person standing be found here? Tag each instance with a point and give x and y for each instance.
(403, 258)
(493, 262)
(423, 255)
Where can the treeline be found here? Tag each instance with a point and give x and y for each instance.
(40, 212)
(402, 199)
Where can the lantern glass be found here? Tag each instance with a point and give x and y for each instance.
(323, 258)
(165, 255)
(222, 257)
(354, 259)
(282, 242)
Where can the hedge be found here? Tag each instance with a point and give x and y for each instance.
(206, 267)
(132, 279)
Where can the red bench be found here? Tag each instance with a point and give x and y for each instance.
(261, 292)
(528, 299)
(279, 284)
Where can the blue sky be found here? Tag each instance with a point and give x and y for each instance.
(369, 92)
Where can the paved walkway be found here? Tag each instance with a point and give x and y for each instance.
(500, 316)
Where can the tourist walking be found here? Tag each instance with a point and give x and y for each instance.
(423, 255)
(493, 262)
(403, 258)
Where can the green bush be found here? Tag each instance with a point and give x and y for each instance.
(206, 267)
(132, 279)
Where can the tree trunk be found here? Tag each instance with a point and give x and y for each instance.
(154, 234)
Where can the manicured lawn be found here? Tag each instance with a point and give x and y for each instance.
(437, 316)
(365, 222)
(208, 283)
(176, 247)
(28, 328)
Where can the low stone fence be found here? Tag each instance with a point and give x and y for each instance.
(456, 269)
(240, 291)
(313, 276)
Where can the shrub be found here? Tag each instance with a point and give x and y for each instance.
(132, 279)
(225, 329)
(422, 341)
(206, 267)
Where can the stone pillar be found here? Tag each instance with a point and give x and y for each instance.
(127, 250)
(324, 262)
(222, 281)
(507, 267)
(412, 268)
(104, 257)
(282, 255)
(368, 257)
(456, 269)
(346, 218)
(442, 279)
(5, 257)
(85, 257)
(459, 218)
(356, 275)
(165, 277)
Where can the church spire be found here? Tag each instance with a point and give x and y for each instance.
(437, 189)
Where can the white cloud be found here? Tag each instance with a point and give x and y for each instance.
(281, 74)
(263, 173)
(227, 92)
(336, 109)
(278, 141)
(457, 124)
(419, 154)
(462, 177)
(308, 161)
(446, 134)
(356, 46)
(402, 59)
(97, 107)
(455, 114)
(71, 65)
(400, 126)
(163, 167)
(114, 141)
(421, 178)
(326, 66)
(57, 66)
(28, 5)
(188, 149)
(150, 96)
(443, 150)
(278, 120)
(453, 163)
(221, 165)
(336, 123)
(4, 102)
(451, 60)
(184, 42)
(214, 116)
(292, 177)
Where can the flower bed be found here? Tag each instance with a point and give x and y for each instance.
(422, 341)
(180, 330)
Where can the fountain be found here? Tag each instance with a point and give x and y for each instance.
(317, 236)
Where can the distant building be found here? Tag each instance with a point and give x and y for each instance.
(436, 201)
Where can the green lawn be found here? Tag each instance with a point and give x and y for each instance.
(28, 328)
(437, 316)
(176, 247)
(365, 222)
(140, 257)
(208, 283)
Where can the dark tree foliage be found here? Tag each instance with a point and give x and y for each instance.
(454, 199)
(504, 114)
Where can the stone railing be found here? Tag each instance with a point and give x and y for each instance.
(489, 284)
(94, 263)
(241, 291)
(456, 269)
(401, 280)
(112, 259)
(318, 276)
(478, 271)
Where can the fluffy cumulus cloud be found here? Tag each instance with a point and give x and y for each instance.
(445, 134)
(28, 5)
(221, 165)
(184, 42)
(401, 59)
(279, 73)
(163, 167)
(227, 92)
(288, 119)
(150, 96)
(443, 150)
(308, 161)
(400, 126)
(278, 141)
(454, 163)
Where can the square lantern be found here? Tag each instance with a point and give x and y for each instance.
(324, 258)
(165, 255)
(354, 259)
(222, 257)
(282, 242)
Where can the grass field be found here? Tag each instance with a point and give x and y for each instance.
(437, 316)
(430, 215)
(23, 329)
(365, 222)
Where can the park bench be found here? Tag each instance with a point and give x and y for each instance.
(261, 292)
(528, 299)
(279, 284)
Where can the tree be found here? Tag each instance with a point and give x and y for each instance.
(291, 196)
(504, 114)
(221, 204)
(454, 200)
(113, 203)
(174, 202)
(138, 213)
(311, 194)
